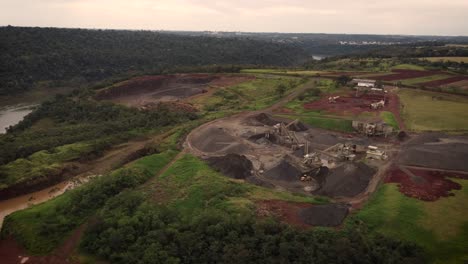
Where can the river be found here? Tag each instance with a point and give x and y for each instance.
(12, 114)
(24, 201)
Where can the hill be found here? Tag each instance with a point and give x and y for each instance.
(33, 57)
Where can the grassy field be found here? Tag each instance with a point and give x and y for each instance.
(190, 185)
(454, 59)
(252, 95)
(424, 111)
(416, 81)
(440, 227)
(389, 118)
(284, 71)
(408, 67)
(42, 163)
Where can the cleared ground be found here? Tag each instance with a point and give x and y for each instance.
(141, 91)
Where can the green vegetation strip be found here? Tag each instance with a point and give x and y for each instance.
(390, 119)
(204, 217)
(417, 81)
(440, 227)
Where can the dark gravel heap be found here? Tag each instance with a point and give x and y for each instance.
(348, 180)
(232, 165)
(284, 171)
(324, 215)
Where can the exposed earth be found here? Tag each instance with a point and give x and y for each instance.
(141, 91)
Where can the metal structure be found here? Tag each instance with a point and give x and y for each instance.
(372, 129)
(374, 152)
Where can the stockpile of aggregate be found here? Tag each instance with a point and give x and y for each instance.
(232, 165)
(348, 180)
(284, 171)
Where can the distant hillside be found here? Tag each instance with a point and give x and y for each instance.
(30, 55)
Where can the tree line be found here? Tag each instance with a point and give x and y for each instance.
(32, 55)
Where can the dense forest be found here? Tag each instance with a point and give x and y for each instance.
(130, 230)
(31, 55)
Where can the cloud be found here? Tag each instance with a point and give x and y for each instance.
(333, 16)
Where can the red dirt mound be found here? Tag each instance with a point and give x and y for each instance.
(404, 74)
(444, 82)
(422, 184)
(287, 212)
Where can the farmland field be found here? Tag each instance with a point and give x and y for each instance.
(427, 111)
(420, 80)
(454, 59)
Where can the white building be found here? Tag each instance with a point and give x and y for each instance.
(364, 83)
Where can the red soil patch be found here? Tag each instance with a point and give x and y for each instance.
(444, 82)
(347, 104)
(288, 212)
(405, 74)
(424, 185)
(12, 253)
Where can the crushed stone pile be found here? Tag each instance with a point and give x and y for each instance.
(284, 171)
(232, 165)
(348, 180)
(270, 121)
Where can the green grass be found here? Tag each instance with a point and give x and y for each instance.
(42, 163)
(190, 185)
(408, 67)
(416, 81)
(440, 227)
(390, 119)
(252, 95)
(425, 111)
(454, 59)
(284, 72)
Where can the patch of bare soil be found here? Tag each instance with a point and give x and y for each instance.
(422, 184)
(12, 253)
(287, 212)
(284, 171)
(232, 165)
(324, 215)
(141, 91)
(215, 139)
(303, 215)
(347, 180)
(436, 150)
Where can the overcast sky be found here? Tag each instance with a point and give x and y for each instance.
(422, 17)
